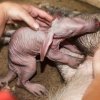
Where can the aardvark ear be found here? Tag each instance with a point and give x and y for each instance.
(46, 45)
(48, 40)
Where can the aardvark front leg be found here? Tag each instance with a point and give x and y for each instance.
(58, 56)
(70, 47)
(25, 73)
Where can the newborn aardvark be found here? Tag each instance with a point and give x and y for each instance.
(26, 44)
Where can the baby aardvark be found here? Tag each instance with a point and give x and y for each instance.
(26, 44)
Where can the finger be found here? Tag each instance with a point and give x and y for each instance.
(38, 12)
(44, 14)
(42, 24)
(2, 24)
(2, 27)
(44, 21)
(29, 20)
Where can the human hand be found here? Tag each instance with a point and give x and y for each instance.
(29, 14)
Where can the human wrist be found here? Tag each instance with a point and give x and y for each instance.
(3, 11)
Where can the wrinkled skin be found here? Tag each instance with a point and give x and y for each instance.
(26, 44)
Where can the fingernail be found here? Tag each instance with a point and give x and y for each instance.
(36, 26)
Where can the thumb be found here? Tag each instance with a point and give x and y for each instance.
(29, 20)
(2, 27)
(2, 24)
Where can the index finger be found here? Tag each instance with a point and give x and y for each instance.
(38, 12)
(43, 14)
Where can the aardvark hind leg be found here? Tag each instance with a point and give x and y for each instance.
(26, 73)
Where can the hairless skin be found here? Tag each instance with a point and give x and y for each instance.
(26, 44)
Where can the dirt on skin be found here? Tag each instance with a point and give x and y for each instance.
(50, 76)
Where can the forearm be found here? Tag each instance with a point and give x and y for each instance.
(3, 20)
